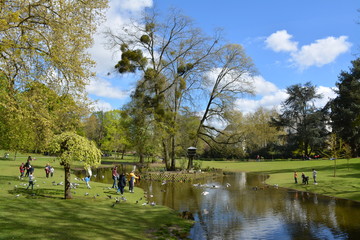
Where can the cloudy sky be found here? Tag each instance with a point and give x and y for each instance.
(290, 42)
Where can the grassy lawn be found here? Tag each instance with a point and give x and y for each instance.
(42, 213)
(346, 184)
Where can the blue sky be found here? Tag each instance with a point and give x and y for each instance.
(290, 42)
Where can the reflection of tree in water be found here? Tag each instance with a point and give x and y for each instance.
(240, 212)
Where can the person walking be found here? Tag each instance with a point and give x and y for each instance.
(314, 175)
(87, 181)
(132, 181)
(31, 181)
(121, 183)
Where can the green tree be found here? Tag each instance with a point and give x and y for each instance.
(345, 108)
(115, 137)
(260, 134)
(44, 42)
(70, 147)
(169, 54)
(304, 123)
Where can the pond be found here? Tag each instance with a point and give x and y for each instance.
(239, 206)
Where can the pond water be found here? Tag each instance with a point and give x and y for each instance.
(231, 207)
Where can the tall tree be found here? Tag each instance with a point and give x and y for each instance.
(45, 42)
(168, 53)
(229, 78)
(304, 123)
(345, 108)
(71, 147)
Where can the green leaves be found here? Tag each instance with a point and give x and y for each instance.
(70, 147)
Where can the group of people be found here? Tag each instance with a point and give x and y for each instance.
(120, 181)
(29, 168)
(26, 167)
(305, 179)
(49, 170)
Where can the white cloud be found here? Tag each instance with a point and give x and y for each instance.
(100, 105)
(274, 99)
(103, 88)
(263, 87)
(327, 93)
(134, 5)
(268, 101)
(322, 52)
(281, 41)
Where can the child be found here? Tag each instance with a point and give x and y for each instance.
(31, 181)
(22, 170)
(52, 170)
(132, 181)
(87, 180)
(47, 170)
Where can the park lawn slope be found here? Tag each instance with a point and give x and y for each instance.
(93, 213)
(346, 184)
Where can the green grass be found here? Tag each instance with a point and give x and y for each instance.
(42, 213)
(346, 184)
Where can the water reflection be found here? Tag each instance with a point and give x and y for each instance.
(238, 206)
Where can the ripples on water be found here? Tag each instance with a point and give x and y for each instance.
(233, 208)
(242, 211)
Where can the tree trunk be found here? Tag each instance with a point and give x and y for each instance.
(173, 160)
(67, 182)
(123, 153)
(166, 155)
(141, 155)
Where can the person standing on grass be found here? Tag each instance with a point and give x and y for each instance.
(27, 168)
(115, 176)
(22, 170)
(121, 183)
(314, 175)
(132, 181)
(295, 177)
(52, 170)
(31, 181)
(47, 170)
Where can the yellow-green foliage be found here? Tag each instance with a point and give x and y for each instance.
(72, 147)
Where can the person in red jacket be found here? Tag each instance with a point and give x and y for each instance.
(22, 169)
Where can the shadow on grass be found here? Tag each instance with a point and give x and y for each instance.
(38, 193)
(74, 219)
(7, 179)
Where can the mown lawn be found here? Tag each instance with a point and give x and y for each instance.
(346, 183)
(93, 213)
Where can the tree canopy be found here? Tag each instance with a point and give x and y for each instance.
(345, 108)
